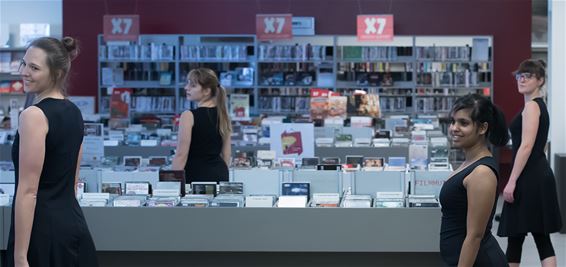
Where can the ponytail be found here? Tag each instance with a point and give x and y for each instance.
(224, 124)
(498, 133)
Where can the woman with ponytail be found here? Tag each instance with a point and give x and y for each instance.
(531, 203)
(48, 227)
(204, 147)
(469, 196)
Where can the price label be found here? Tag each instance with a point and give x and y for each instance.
(274, 26)
(375, 28)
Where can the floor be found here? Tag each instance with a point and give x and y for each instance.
(530, 255)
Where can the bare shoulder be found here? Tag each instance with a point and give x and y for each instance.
(33, 114)
(33, 118)
(187, 117)
(531, 108)
(482, 175)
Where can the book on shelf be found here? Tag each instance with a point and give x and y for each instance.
(213, 52)
(120, 103)
(364, 105)
(239, 106)
(148, 104)
(11, 87)
(297, 52)
(480, 49)
(444, 53)
(337, 107)
(10, 62)
(319, 108)
(374, 52)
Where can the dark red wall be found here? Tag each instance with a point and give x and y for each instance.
(509, 21)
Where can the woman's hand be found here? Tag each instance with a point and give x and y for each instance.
(508, 192)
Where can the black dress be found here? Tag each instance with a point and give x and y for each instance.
(535, 208)
(454, 201)
(59, 236)
(204, 163)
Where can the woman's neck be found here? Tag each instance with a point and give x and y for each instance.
(51, 93)
(533, 95)
(206, 104)
(476, 152)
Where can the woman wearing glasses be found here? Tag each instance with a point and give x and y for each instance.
(531, 204)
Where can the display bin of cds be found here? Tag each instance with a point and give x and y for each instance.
(259, 181)
(342, 152)
(370, 182)
(428, 182)
(142, 151)
(92, 179)
(6, 213)
(108, 176)
(7, 177)
(320, 181)
(5, 152)
(255, 230)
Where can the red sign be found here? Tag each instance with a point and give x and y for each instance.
(375, 27)
(274, 26)
(121, 27)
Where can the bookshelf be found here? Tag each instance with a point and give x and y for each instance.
(412, 74)
(11, 88)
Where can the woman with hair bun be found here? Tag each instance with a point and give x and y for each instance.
(469, 196)
(531, 203)
(48, 227)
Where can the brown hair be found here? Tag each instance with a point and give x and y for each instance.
(60, 53)
(208, 79)
(534, 66)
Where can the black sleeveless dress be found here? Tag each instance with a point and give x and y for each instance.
(59, 236)
(535, 208)
(454, 201)
(204, 163)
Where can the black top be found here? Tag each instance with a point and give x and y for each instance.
(535, 207)
(59, 236)
(516, 129)
(204, 162)
(454, 200)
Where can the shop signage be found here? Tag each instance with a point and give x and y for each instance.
(121, 27)
(375, 27)
(303, 26)
(274, 26)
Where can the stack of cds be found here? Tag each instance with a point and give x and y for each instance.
(260, 201)
(422, 201)
(226, 200)
(163, 202)
(356, 201)
(196, 201)
(325, 200)
(389, 200)
(129, 201)
(94, 199)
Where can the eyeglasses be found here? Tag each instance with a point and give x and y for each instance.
(525, 76)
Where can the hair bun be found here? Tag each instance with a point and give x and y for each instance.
(71, 45)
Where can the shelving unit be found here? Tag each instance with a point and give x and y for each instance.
(412, 74)
(9, 62)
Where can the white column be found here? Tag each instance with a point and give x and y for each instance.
(557, 76)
